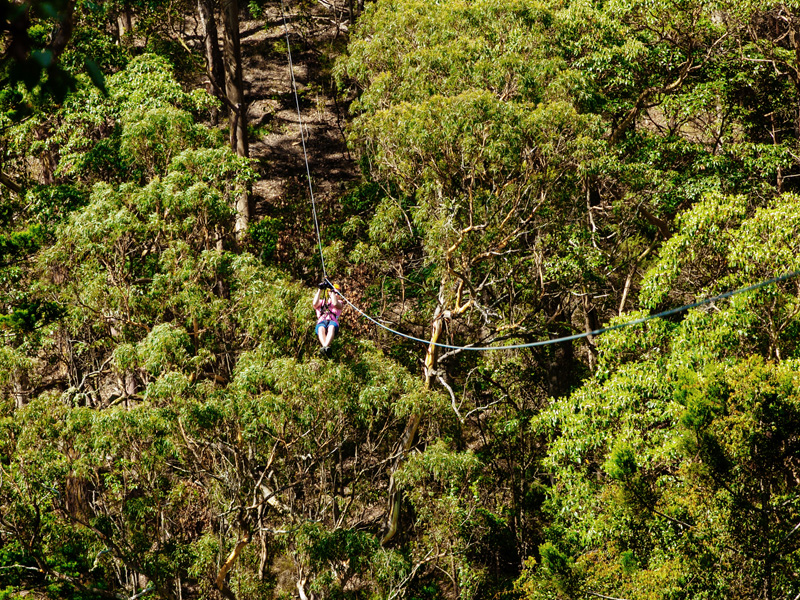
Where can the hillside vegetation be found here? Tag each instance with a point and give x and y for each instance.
(526, 170)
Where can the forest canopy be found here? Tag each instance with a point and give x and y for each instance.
(488, 173)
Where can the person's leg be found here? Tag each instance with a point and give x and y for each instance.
(327, 338)
(321, 333)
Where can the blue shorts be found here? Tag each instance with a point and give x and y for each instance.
(326, 324)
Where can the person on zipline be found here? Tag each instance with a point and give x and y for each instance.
(328, 307)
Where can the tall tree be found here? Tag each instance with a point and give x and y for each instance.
(237, 105)
(213, 55)
(676, 465)
(487, 167)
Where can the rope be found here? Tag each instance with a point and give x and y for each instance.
(578, 336)
(548, 342)
(303, 139)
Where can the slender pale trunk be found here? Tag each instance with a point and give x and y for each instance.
(20, 388)
(234, 90)
(404, 446)
(124, 22)
(214, 65)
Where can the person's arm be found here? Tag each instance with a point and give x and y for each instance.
(317, 302)
(335, 301)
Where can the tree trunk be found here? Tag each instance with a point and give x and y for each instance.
(234, 90)
(406, 441)
(10, 184)
(561, 368)
(20, 388)
(124, 23)
(63, 32)
(794, 40)
(214, 66)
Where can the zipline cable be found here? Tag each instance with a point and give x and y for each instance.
(567, 338)
(303, 140)
(578, 336)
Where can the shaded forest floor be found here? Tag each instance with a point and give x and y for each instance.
(280, 196)
(282, 192)
(275, 142)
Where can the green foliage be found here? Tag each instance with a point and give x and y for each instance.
(455, 120)
(158, 136)
(51, 203)
(89, 46)
(443, 488)
(264, 234)
(144, 121)
(673, 457)
(532, 169)
(413, 50)
(30, 59)
(722, 244)
(676, 496)
(493, 119)
(704, 232)
(340, 556)
(20, 243)
(27, 315)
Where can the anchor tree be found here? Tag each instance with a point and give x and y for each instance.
(530, 160)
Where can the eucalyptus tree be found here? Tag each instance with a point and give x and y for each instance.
(606, 121)
(674, 465)
(235, 98)
(466, 119)
(195, 445)
(165, 430)
(213, 54)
